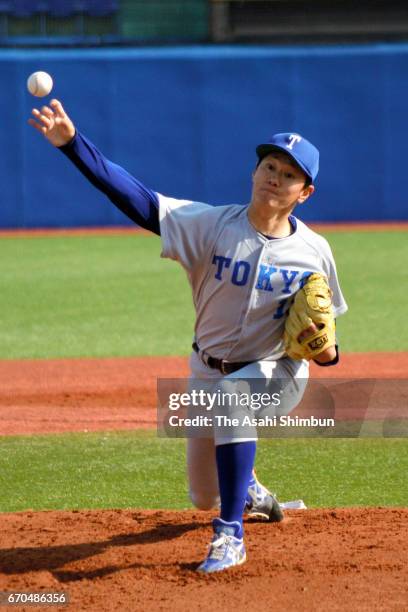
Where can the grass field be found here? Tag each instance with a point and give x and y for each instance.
(114, 296)
(139, 470)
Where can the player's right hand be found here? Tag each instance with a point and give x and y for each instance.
(53, 123)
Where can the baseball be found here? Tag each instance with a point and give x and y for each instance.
(39, 84)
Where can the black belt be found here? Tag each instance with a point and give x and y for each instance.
(225, 367)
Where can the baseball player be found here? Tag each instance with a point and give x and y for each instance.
(266, 295)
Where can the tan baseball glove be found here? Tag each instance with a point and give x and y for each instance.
(312, 304)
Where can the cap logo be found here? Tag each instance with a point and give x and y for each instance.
(292, 139)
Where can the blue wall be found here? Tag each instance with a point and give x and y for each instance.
(186, 122)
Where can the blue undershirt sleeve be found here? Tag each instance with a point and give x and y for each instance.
(136, 201)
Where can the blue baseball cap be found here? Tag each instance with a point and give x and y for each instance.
(298, 148)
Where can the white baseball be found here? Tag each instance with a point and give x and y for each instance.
(39, 84)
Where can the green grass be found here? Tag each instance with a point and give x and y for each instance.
(139, 470)
(114, 296)
(374, 279)
(91, 296)
(92, 470)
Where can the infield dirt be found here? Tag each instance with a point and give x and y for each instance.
(52, 396)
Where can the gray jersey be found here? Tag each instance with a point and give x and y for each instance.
(242, 282)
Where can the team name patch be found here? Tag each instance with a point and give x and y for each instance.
(269, 278)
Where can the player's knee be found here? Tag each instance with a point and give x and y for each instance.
(203, 501)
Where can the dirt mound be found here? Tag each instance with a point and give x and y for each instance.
(129, 560)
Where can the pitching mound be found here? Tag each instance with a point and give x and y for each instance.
(132, 560)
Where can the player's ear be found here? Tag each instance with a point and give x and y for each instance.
(305, 193)
(256, 168)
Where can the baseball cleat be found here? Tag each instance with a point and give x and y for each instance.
(226, 549)
(261, 503)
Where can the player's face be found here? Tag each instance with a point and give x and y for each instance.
(279, 183)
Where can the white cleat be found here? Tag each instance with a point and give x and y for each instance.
(226, 549)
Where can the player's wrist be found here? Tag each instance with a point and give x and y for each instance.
(67, 142)
(327, 356)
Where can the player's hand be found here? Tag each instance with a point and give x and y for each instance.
(325, 356)
(53, 123)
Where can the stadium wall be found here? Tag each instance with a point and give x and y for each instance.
(186, 122)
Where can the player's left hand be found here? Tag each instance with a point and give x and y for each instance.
(310, 327)
(325, 356)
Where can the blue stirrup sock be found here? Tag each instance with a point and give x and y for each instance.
(235, 463)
